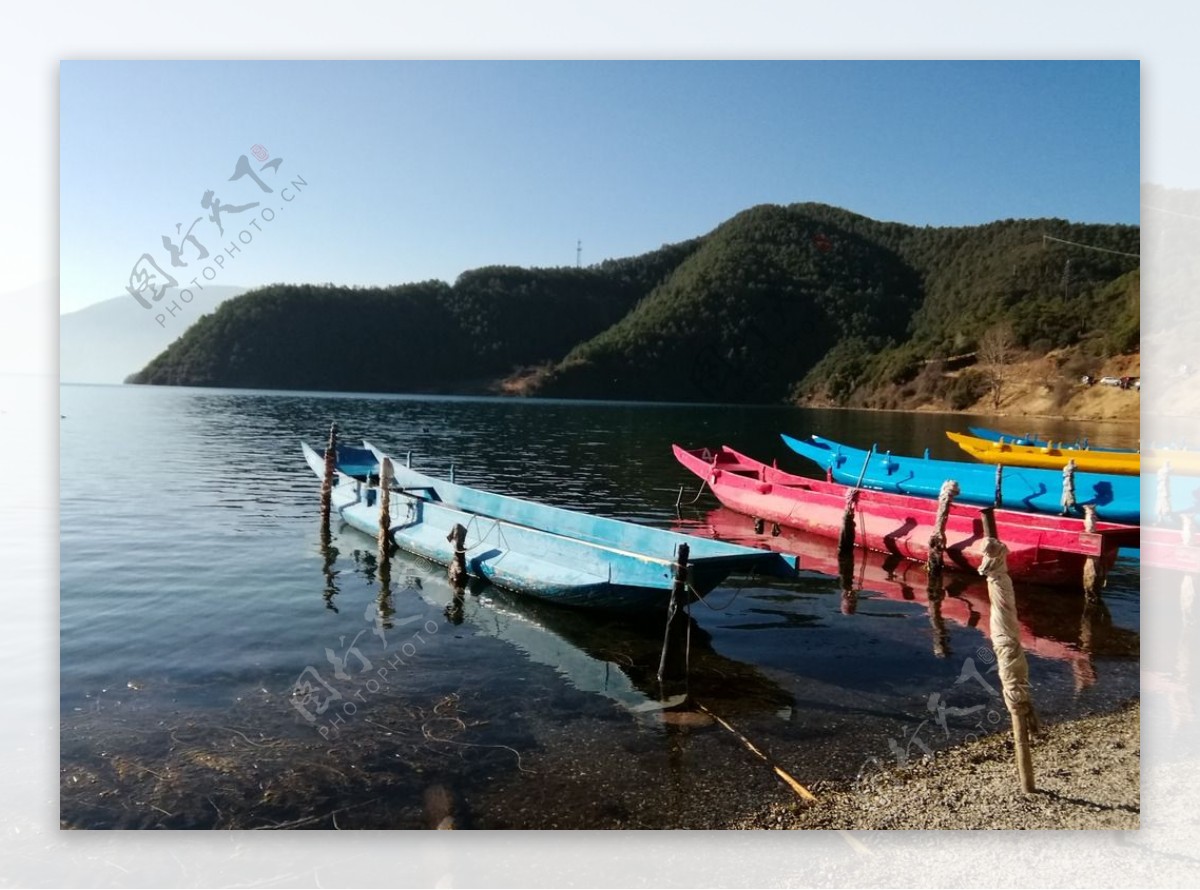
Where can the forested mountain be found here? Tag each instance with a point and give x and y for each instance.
(808, 302)
(423, 337)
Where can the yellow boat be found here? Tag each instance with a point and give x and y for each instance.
(1049, 457)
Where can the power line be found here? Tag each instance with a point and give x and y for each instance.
(1046, 238)
(1171, 212)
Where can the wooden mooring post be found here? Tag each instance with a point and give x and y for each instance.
(935, 564)
(1093, 568)
(1006, 641)
(845, 543)
(937, 540)
(846, 537)
(384, 537)
(458, 562)
(678, 599)
(327, 482)
(1068, 489)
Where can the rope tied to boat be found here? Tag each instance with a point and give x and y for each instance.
(679, 500)
(481, 540)
(737, 591)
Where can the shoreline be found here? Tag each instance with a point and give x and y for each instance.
(496, 395)
(1088, 774)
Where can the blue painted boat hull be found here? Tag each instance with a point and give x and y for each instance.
(1116, 498)
(560, 555)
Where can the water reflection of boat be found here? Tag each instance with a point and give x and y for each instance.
(1052, 626)
(565, 556)
(610, 654)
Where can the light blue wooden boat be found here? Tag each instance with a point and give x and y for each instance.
(560, 555)
(1116, 498)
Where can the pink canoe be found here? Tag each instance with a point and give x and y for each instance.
(1042, 549)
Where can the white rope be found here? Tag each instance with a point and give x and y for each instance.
(737, 591)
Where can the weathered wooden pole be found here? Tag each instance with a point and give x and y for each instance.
(1006, 641)
(458, 562)
(934, 564)
(1068, 489)
(846, 537)
(678, 596)
(327, 482)
(384, 537)
(1093, 569)
(937, 540)
(999, 499)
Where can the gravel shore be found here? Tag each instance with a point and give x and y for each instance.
(1087, 772)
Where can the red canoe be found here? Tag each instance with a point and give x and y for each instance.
(1049, 550)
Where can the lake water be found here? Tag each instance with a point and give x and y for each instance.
(196, 594)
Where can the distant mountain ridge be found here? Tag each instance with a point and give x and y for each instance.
(109, 340)
(806, 302)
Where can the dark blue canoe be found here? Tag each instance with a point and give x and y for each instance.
(1116, 498)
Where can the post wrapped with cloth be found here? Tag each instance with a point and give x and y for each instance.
(1006, 641)
(1068, 489)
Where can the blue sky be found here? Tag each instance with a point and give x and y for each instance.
(419, 170)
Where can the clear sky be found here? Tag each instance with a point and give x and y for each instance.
(419, 170)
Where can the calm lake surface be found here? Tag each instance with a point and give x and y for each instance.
(196, 594)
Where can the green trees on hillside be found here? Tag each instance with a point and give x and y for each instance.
(806, 301)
